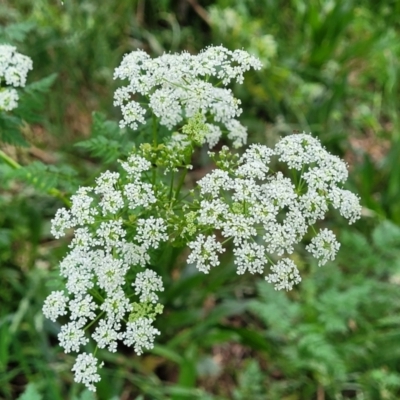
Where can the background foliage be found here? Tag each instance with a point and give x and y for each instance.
(332, 69)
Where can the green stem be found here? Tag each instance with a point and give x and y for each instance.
(171, 187)
(155, 144)
(52, 192)
(92, 322)
(8, 160)
(56, 193)
(180, 184)
(155, 131)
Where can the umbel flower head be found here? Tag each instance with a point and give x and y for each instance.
(265, 214)
(14, 69)
(111, 292)
(106, 269)
(176, 87)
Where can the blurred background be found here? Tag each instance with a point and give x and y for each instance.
(331, 68)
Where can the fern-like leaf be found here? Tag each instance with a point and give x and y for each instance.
(106, 142)
(16, 32)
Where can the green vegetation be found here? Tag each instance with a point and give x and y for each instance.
(331, 67)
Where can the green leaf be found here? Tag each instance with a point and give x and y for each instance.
(386, 236)
(33, 98)
(85, 395)
(41, 86)
(30, 393)
(10, 130)
(187, 369)
(250, 383)
(167, 353)
(107, 142)
(37, 174)
(16, 32)
(252, 339)
(5, 341)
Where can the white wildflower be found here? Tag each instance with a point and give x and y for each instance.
(133, 254)
(72, 336)
(106, 335)
(140, 334)
(250, 257)
(85, 370)
(335, 169)
(279, 238)
(61, 222)
(55, 305)
(299, 149)
(151, 231)
(324, 246)
(83, 308)
(8, 99)
(165, 105)
(110, 272)
(111, 199)
(116, 305)
(139, 194)
(284, 275)
(135, 165)
(204, 253)
(82, 209)
(239, 227)
(14, 66)
(132, 113)
(111, 234)
(237, 133)
(213, 135)
(245, 190)
(347, 202)
(212, 213)
(178, 86)
(313, 206)
(215, 181)
(146, 285)
(83, 239)
(280, 190)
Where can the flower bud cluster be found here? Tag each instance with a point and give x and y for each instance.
(14, 69)
(177, 87)
(266, 214)
(107, 260)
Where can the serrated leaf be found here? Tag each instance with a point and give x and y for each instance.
(106, 141)
(103, 127)
(10, 130)
(46, 178)
(108, 150)
(32, 99)
(274, 308)
(37, 174)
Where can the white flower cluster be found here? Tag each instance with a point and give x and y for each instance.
(266, 214)
(120, 221)
(177, 87)
(14, 68)
(105, 255)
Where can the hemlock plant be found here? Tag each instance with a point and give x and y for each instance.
(111, 293)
